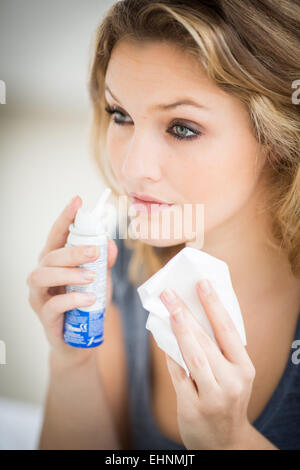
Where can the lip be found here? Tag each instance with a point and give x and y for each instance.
(149, 206)
(145, 197)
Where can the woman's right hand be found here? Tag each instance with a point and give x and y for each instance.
(55, 269)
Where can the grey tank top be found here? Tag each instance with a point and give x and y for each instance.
(279, 421)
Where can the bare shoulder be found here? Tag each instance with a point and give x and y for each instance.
(113, 370)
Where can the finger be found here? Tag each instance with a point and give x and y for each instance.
(55, 307)
(219, 365)
(77, 255)
(112, 253)
(184, 386)
(71, 256)
(37, 298)
(59, 232)
(192, 352)
(53, 276)
(225, 331)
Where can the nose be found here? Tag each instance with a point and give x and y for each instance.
(142, 159)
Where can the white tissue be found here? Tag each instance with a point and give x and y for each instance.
(181, 273)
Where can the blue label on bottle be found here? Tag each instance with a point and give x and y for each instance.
(84, 329)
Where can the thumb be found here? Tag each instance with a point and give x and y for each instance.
(59, 231)
(112, 253)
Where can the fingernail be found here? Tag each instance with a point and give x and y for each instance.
(72, 200)
(204, 286)
(88, 274)
(177, 315)
(170, 296)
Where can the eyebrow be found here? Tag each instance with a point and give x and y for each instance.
(184, 101)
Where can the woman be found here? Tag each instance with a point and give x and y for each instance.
(236, 150)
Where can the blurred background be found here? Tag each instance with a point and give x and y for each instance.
(44, 162)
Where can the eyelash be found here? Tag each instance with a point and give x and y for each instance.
(114, 110)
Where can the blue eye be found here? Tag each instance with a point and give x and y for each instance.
(182, 132)
(181, 129)
(114, 111)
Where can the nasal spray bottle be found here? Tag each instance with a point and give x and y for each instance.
(83, 328)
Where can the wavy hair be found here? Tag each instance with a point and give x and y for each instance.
(249, 49)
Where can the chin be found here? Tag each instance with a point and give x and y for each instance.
(151, 234)
(161, 242)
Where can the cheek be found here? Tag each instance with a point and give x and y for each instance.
(114, 153)
(223, 179)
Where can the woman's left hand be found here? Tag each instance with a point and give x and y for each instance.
(212, 403)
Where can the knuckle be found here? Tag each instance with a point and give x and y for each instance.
(197, 362)
(249, 373)
(49, 320)
(33, 277)
(41, 256)
(47, 316)
(182, 328)
(235, 390)
(48, 310)
(225, 327)
(213, 300)
(43, 260)
(206, 341)
(74, 298)
(48, 306)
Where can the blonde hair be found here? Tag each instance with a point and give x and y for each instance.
(250, 50)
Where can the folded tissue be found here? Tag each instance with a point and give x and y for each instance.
(182, 273)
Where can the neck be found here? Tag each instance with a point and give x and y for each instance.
(260, 272)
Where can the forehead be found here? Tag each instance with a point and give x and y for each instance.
(152, 55)
(157, 70)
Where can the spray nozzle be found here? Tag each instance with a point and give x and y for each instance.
(88, 222)
(100, 204)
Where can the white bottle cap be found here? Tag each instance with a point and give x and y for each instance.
(90, 222)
